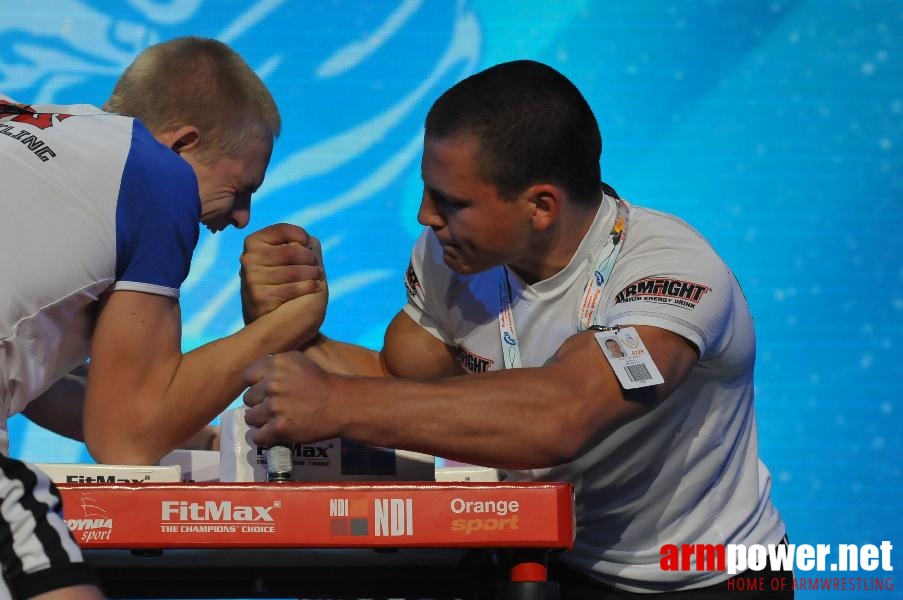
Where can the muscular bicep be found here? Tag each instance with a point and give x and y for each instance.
(135, 353)
(599, 398)
(411, 351)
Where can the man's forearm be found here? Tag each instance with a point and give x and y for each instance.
(226, 358)
(515, 418)
(509, 419)
(342, 358)
(145, 398)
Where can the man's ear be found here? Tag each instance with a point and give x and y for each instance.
(184, 138)
(546, 202)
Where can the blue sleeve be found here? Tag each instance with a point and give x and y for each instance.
(157, 217)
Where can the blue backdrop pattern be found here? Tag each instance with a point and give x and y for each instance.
(774, 127)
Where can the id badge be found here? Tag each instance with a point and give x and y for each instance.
(628, 357)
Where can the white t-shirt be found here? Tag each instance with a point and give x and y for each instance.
(91, 202)
(688, 471)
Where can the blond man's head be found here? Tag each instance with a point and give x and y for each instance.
(199, 82)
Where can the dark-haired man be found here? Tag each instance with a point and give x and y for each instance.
(525, 266)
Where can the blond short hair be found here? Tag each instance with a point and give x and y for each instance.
(201, 82)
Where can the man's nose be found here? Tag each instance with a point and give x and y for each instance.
(427, 215)
(241, 211)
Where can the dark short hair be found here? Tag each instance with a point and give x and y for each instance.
(531, 125)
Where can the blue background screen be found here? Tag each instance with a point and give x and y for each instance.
(774, 127)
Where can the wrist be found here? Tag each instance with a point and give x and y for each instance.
(339, 408)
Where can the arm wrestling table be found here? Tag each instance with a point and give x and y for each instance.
(321, 540)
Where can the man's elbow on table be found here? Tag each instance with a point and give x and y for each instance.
(123, 445)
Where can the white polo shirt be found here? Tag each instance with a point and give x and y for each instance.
(91, 202)
(687, 472)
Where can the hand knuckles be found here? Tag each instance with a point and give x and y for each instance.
(280, 424)
(271, 391)
(286, 253)
(290, 292)
(280, 275)
(301, 273)
(307, 287)
(249, 261)
(279, 361)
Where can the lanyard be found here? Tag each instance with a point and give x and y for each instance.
(599, 271)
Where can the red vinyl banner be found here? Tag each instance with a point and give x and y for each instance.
(305, 515)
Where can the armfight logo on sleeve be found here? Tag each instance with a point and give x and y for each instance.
(685, 294)
(472, 363)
